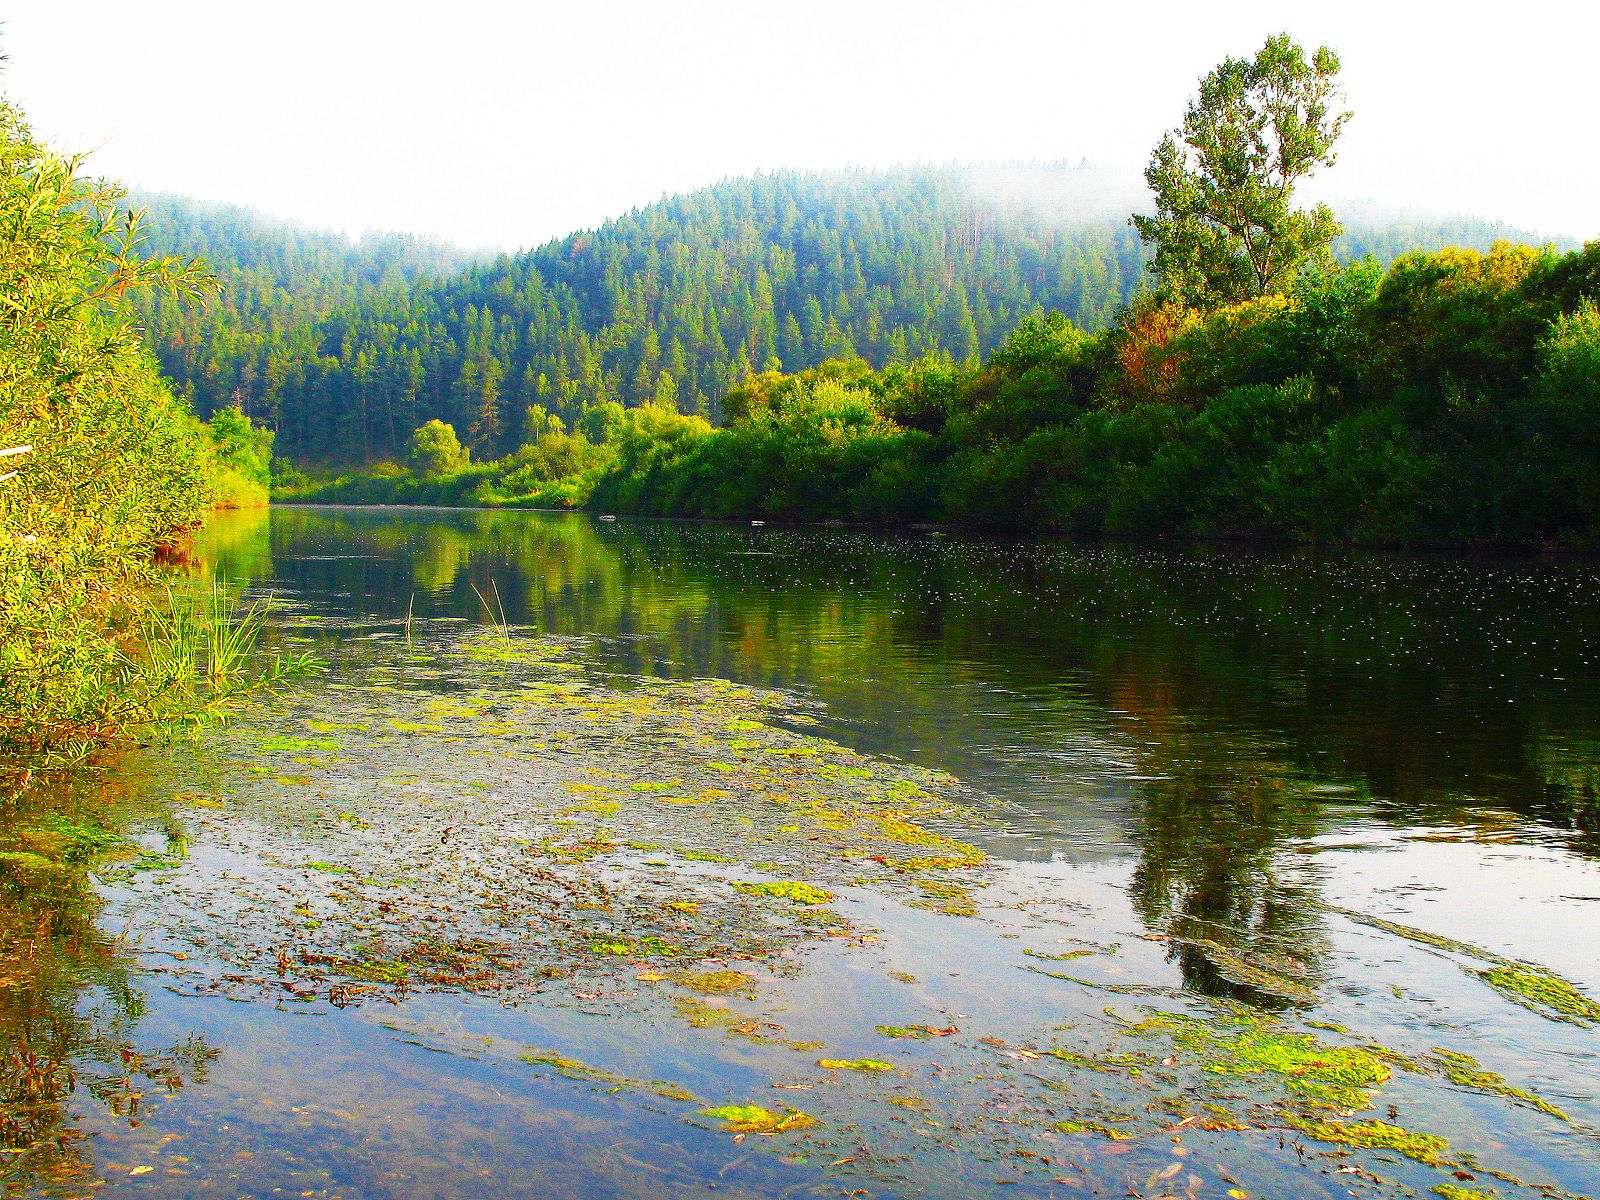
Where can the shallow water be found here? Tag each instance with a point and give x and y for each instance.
(1166, 871)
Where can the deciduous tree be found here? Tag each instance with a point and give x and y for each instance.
(1225, 226)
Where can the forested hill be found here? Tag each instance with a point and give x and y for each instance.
(278, 281)
(347, 347)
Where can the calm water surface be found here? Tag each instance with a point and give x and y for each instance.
(1339, 793)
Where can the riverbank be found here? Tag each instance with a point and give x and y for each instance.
(1444, 401)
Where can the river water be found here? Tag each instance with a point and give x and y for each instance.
(1090, 871)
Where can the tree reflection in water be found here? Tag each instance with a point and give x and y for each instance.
(69, 1014)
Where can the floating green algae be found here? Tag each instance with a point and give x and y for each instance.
(717, 983)
(403, 726)
(26, 867)
(701, 1015)
(1064, 956)
(1324, 1075)
(1198, 1061)
(752, 1118)
(1534, 987)
(1100, 1127)
(281, 743)
(563, 905)
(790, 890)
(1426, 1148)
(1466, 1072)
(1543, 992)
(572, 1068)
(948, 898)
(378, 972)
(916, 1032)
(856, 1064)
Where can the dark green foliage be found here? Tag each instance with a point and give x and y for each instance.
(1454, 398)
(345, 349)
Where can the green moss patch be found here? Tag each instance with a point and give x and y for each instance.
(1544, 992)
(856, 1064)
(916, 1032)
(717, 983)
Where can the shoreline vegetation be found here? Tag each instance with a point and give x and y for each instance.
(110, 471)
(1256, 389)
(1450, 399)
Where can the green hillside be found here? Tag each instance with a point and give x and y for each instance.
(347, 347)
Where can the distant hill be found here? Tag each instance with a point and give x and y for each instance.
(346, 346)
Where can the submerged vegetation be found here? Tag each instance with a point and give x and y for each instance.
(526, 849)
(494, 812)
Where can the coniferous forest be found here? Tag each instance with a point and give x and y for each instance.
(345, 348)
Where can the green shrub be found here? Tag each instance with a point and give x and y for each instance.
(118, 467)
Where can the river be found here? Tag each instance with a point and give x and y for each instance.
(616, 859)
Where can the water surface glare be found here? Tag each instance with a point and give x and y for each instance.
(650, 859)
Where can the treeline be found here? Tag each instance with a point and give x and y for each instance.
(103, 465)
(346, 348)
(1453, 397)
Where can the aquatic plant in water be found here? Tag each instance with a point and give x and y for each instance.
(752, 1118)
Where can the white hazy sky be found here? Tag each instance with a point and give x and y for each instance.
(509, 123)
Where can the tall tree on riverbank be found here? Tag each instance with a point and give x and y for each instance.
(1225, 226)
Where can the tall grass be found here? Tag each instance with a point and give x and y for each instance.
(199, 652)
(186, 656)
(497, 613)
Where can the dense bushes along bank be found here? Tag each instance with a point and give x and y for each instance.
(1452, 398)
(109, 465)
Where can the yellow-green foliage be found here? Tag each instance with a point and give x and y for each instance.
(752, 1118)
(795, 893)
(1225, 346)
(242, 459)
(118, 467)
